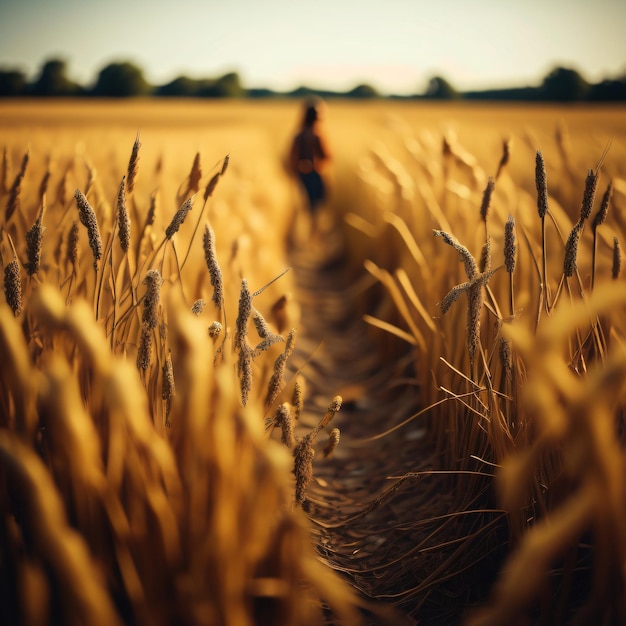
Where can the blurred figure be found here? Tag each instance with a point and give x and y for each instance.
(308, 156)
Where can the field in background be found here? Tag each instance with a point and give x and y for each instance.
(551, 459)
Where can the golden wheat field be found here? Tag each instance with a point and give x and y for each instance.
(208, 417)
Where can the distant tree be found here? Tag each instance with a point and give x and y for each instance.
(440, 89)
(226, 86)
(183, 86)
(363, 91)
(121, 80)
(564, 84)
(12, 83)
(53, 81)
(608, 91)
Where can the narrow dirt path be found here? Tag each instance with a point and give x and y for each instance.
(337, 356)
(381, 516)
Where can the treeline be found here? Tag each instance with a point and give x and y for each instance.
(125, 79)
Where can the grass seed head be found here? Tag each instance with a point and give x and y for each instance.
(87, 217)
(225, 164)
(215, 328)
(13, 286)
(212, 184)
(486, 202)
(123, 219)
(485, 257)
(215, 272)
(72, 244)
(510, 246)
(243, 314)
(617, 259)
(179, 218)
(600, 217)
(13, 203)
(144, 352)
(591, 183)
(303, 467)
(284, 420)
(133, 166)
(153, 282)
(298, 396)
(195, 174)
(333, 442)
(506, 358)
(198, 307)
(34, 239)
(541, 183)
(571, 250)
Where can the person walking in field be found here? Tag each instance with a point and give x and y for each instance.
(308, 157)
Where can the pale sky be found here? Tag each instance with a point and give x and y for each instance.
(395, 45)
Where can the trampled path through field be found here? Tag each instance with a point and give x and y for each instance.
(374, 518)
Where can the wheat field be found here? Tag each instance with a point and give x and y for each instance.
(209, 418)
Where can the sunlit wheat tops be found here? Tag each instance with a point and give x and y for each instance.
(13, 286)
(88, 219)
(215, 273)
(541, 183)
(34, 239)
(133, 166)
(123, 219)
(179, 218)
